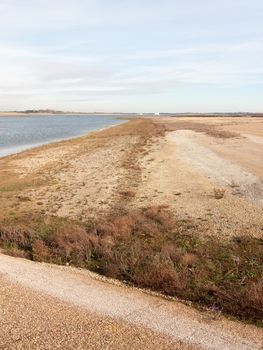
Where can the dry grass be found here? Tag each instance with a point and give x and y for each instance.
(145, 130)
(150, 249)
(222, 134)
(200, 127)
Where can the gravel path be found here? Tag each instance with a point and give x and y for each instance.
(33, 320)
(93, 294)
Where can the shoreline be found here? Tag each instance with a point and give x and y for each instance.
(53, 142)
(18, 114)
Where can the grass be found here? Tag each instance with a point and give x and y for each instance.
(17, 186)
(150, 249)
(210, 130)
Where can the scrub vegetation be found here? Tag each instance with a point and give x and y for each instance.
(149, 248)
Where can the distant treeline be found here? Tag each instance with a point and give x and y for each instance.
(51, 111)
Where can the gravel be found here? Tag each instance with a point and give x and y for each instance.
(220, 170)
(80, 306)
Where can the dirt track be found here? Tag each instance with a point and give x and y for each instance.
(95, 314)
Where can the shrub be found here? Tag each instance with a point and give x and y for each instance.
(151, 249)
(71, 243)
(40, 251)
(119, 227)
(15, 252)
(16, 235)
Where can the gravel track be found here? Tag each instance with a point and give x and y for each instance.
(95, 295)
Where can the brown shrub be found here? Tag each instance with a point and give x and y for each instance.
(18, 235)
(106, 243)
(123, 226)
(170, 251)
(15, 252)
(152, 249)
(161, 216)
(159, 274)
(189, 259)
(145, 223)
(254, 294)
(223, 134)
(124, 260)
(119, 227)
(148, 229)
(40, 251)
(72, 244)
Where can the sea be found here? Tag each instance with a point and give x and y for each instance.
(19, 133)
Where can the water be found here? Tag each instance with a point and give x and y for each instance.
(18, 133)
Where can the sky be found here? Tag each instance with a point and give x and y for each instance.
(132, 55)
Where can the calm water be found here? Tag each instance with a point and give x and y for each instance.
(20, 133)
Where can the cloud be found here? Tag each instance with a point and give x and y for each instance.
(60, 53)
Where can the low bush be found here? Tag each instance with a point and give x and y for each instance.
(150, 249)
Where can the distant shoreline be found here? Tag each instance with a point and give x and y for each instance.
(24, 114)
(131, 115)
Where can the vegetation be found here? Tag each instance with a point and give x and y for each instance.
(210, 130)
(149, 248)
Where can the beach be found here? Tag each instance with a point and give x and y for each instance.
(86, 177)
(139, 178)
